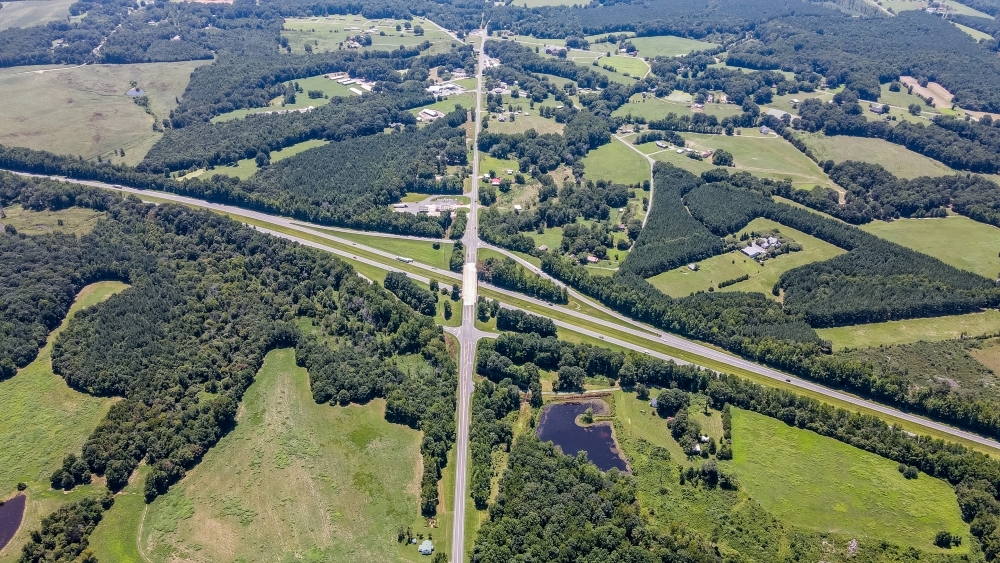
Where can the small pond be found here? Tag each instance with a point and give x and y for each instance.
(558, 425)
(10, 518)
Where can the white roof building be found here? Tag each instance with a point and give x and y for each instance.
(426, 548)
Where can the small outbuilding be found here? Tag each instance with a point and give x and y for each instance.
(135, 92)
(426, 547)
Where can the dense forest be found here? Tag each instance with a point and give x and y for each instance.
(208, 298)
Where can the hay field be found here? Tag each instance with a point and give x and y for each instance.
(84, 110)
(41, 420)
(28, 13)
(294, 479)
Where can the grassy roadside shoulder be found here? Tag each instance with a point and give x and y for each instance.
(554, 313)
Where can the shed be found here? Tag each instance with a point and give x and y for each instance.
(543, 248)
(653, 402)
(593, 259)
(753, 250)
(135, 92)
(426, 548)
(693, 267)
(517, 208)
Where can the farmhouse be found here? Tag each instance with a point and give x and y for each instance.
(778, 113)
(878, 109)
(426, 548)
(753, 250)
(764, 130)
(495, 182)
(593, 259)
(661, 144)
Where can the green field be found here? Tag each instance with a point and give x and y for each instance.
(683, 281)
(41, 420)
(114, 538)
(767, 156)
(246, 167)
(524, 122)
(668, 46)
(419, 250)
(329, 33)
(977, 244)
(657, 108)
(821, 484)
(616, 162)
(295, 479)
(84, 110)
(913, 330)
(895, 158)
(975, 34)
(25, 13)
(76, 220)
(331, 88)
(447, 104)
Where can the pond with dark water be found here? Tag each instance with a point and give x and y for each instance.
(11, 514)
(558, 425)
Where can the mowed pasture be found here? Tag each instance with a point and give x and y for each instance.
(913, 330)
(330, 33)
(84, 110)
(895, 158)
(76, 220)
(955, 240)
(652, 108)
(617, 163)
(28, 13)
(330, 89)
(682, 281)
(42, 420)
(667, 46)
(768, 156)
(295, 479)
(821, 484)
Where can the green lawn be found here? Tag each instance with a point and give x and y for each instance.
(683, 281)
(85, 110)
(955, 240)
(76, 220)
(295, 479)
(913, 330)
(617, 163)
(420, 251)
(895, 158)
(821, 484)
(42, 420)
(36, 12)
(668, 46)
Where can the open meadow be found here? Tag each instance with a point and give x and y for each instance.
(617, 163)
(330, 33)
(768, 156)
(682, 281)
(821, 484)
(652, 107)
(913, 330)
(42, 420)
(954, 240)
(669, 45)
(330, 89)
(295, 479)
(246, 167)
(84, 110)
(27, 13)
(895, 158)
(76, 220)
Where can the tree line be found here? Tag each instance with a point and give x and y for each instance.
(208, 298)
(975, 476)
(507, 273)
